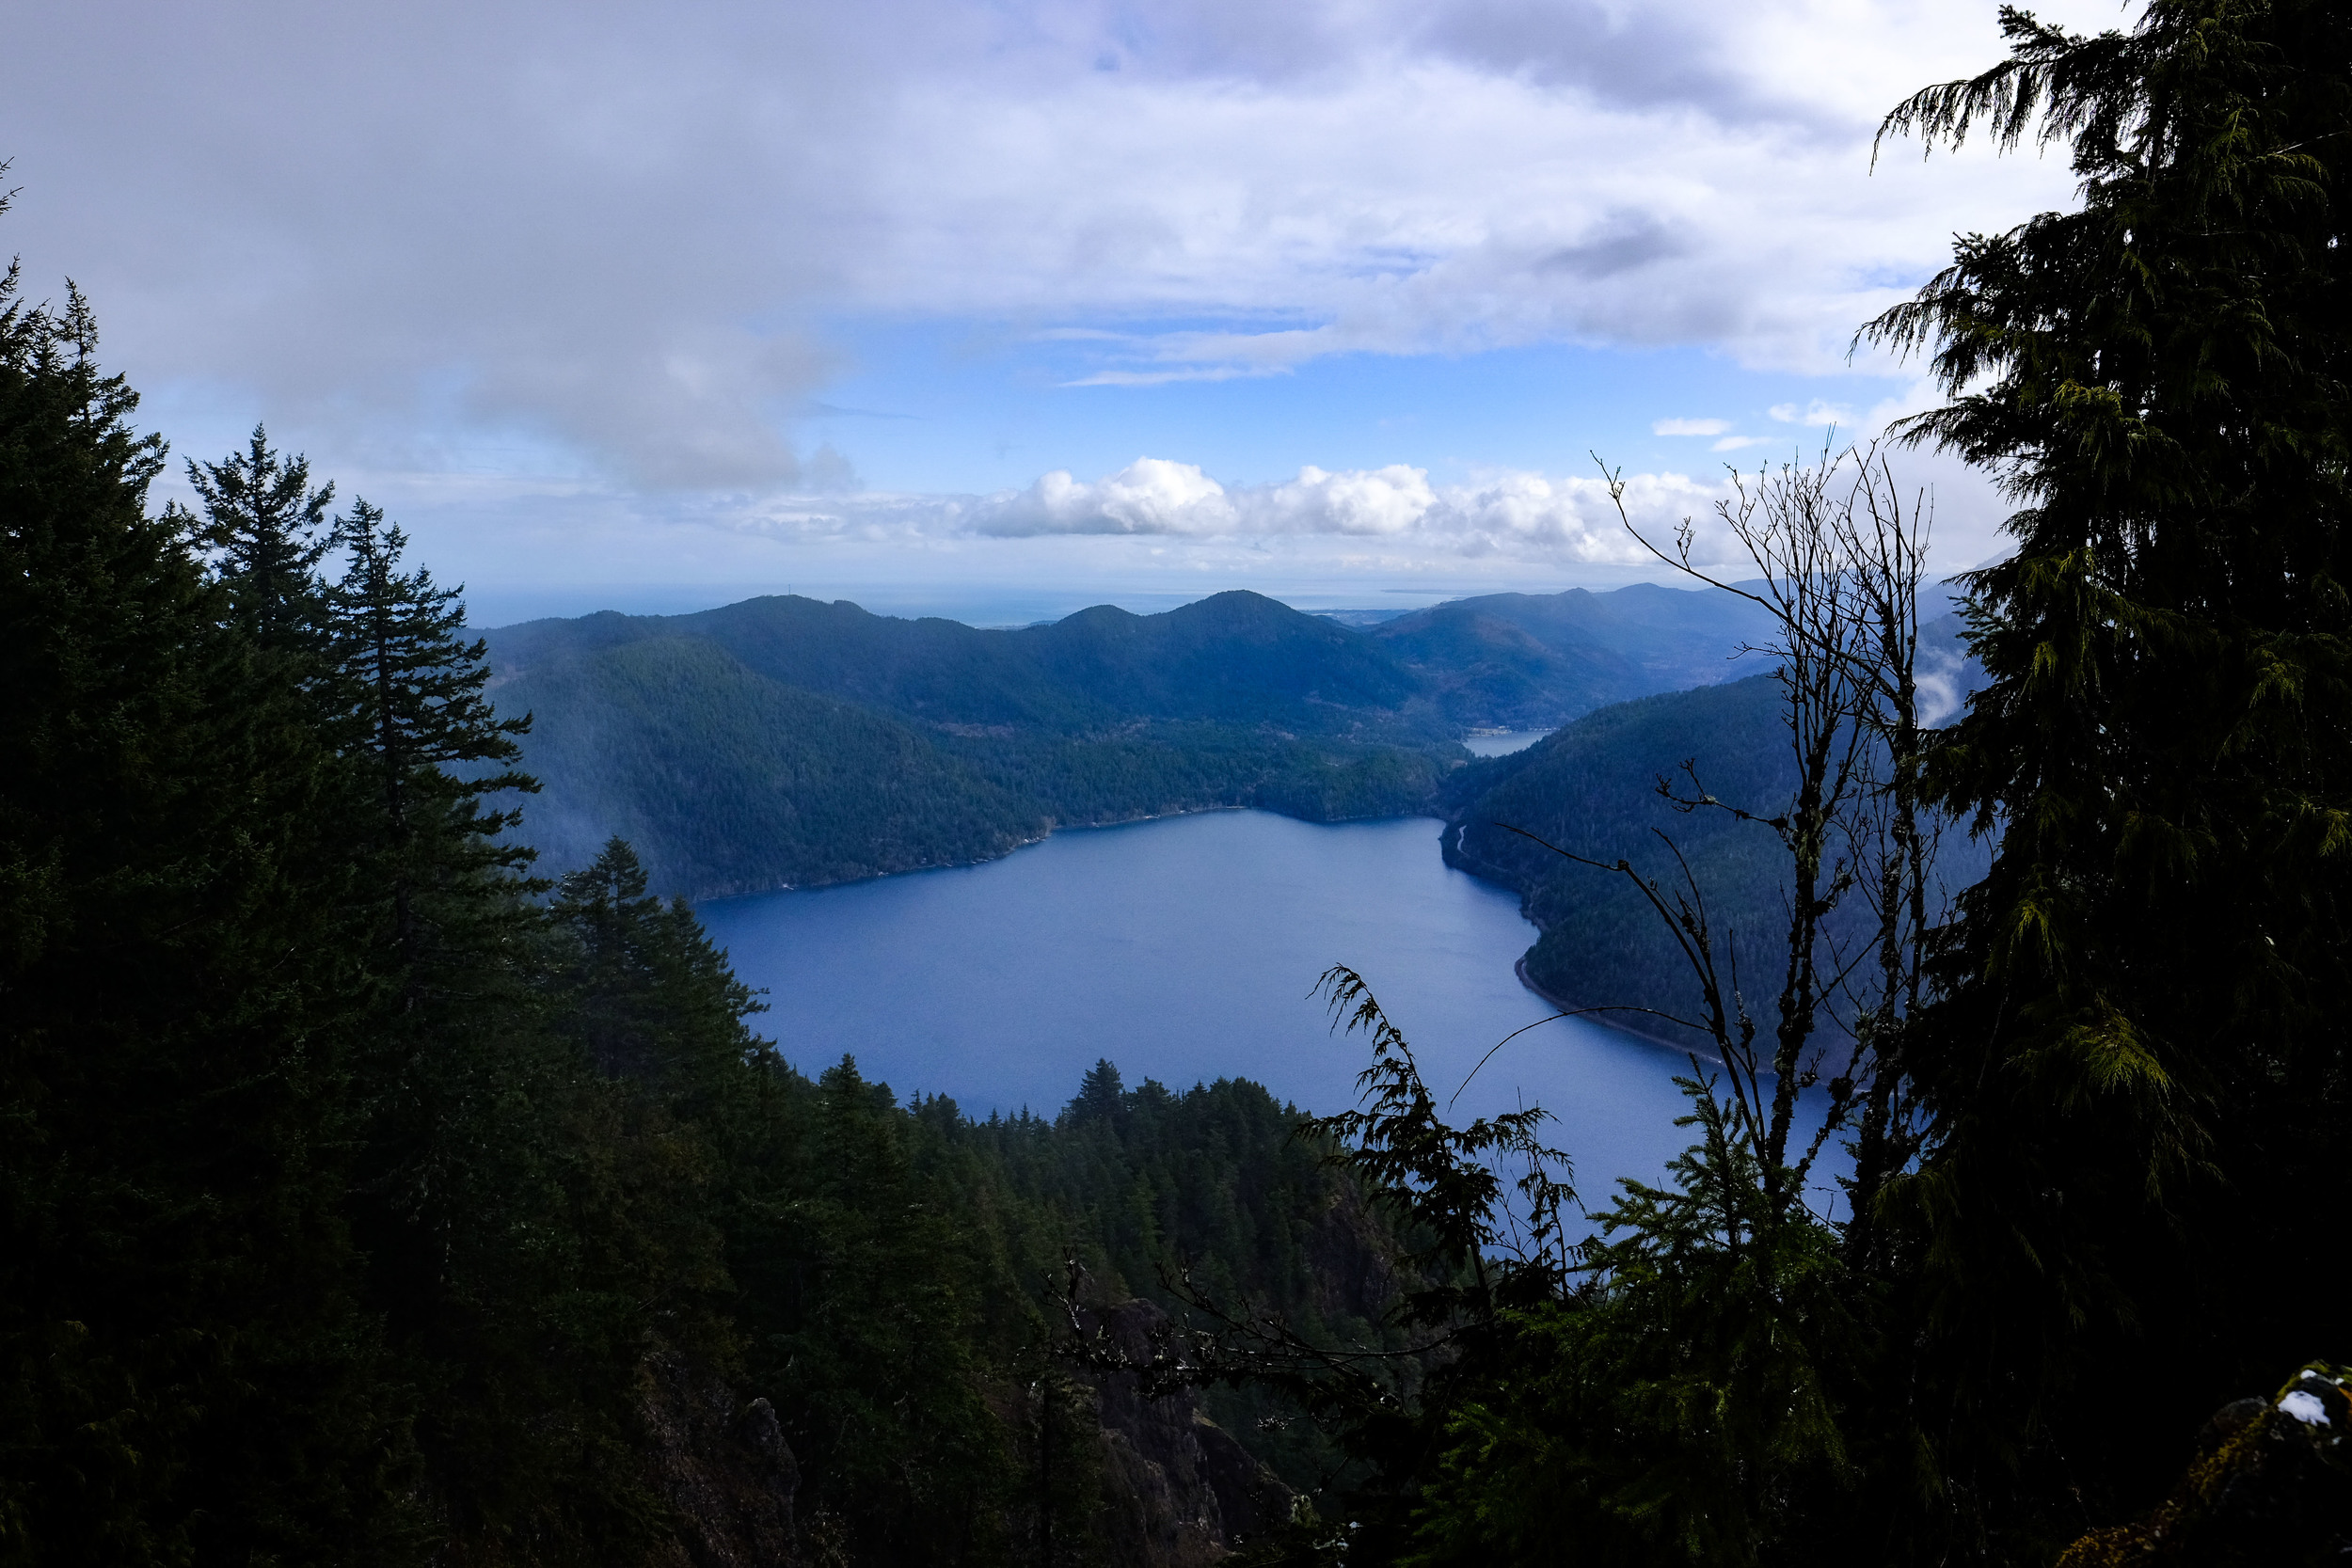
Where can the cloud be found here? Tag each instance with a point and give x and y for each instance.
(628, 234)
(1689, 427)
(1814, 413)
(1942, 679)
(1733, 443)
(1150, 495)
(1168, 377)
(1516, 514)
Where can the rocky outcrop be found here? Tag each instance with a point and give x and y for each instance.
(1179, 1490)
(721, 1466)
(2272, 1484)
(1352, 1258)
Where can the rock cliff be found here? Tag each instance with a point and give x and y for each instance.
(722, 1466)
(2272, 1484)
(1179, 1490)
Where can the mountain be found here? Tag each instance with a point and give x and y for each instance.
(728, 781)
(781, 742)
(1233, 658)
(1532, 661)
(1591, 788)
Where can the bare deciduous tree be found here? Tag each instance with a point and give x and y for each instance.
(1841, 553)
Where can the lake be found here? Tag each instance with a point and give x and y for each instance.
(1185, 949)
(1501, 743)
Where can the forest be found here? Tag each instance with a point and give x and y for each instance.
(783, 742)
(366, 1196)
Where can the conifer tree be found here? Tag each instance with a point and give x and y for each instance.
(2138, 1081)
(408, 699)
(1099, 1091)
(269, 529)
(184, 1370)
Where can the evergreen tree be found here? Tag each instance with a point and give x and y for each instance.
(1099, 1091)
(408, 699)
(2139, 1082)
(185, 1370)
(269, 529)
(651, 999)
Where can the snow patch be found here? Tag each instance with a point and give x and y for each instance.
(2305, 1408)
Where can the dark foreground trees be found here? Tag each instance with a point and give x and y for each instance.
(2139, 1076)
(180, 988)
(365, 1199)
(2096, 1110)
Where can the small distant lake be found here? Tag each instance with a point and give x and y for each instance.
(1504, 744)
(1185, 949)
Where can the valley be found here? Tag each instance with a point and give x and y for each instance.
(785, 742)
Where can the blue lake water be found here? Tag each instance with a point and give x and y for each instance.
(1185, 949)
(1503, 742)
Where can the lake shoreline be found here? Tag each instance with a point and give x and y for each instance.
(1187, 950)
(1580, 1009)
(701, 900)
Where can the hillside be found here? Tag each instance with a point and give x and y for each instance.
(1532, 661)
(1590, 789)
(781, 742)
(1233, 658)
(732, 780)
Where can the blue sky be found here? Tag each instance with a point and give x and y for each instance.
(994, 309)
(949, 407)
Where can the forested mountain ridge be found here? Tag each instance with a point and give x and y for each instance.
(1591, 788)
(783, 741)
(733, 782)
(1233, 658)
(1538, 660)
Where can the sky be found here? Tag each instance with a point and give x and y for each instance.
(996, 310)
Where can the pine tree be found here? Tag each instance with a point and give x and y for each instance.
(269, 529)
(648, 1000)
(615, 924)
(408, 697)
(2139, 1082)
(1099, 1092)
(184, 1369)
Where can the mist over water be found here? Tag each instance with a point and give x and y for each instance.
(1503, 742)
(1186, 949)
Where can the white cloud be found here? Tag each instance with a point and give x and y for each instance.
(1150, 495)
(1689, 427)
(1733, 443)
(1157, 528)
(615, 228)
(1814, 413)
(1509, 515)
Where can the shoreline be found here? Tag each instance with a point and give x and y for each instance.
(697, 900)
(1518, 967)
(1450, 845)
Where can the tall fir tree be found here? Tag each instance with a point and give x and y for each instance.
(185, 1370)
(2139, 1082)
(407, 697)
(269, 529)
(649, 996)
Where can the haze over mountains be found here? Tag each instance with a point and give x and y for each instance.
(783, 741)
